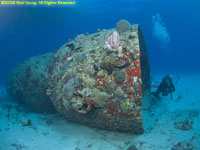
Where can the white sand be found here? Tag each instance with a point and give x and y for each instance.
(51, 132)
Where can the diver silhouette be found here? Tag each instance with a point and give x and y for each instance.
(166, 87)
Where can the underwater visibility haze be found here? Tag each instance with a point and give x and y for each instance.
(100, 74)
(171, 29)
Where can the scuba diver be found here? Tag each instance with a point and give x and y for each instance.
(166, 87)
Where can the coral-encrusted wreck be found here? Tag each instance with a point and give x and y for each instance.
(100, 80)
(27, 83)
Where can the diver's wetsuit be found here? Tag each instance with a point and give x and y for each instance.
(165, 87)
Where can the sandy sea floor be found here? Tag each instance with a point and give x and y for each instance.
(170, 125)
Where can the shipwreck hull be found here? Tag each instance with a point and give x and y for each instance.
(93, 86)
(27, 84)
(100, 80)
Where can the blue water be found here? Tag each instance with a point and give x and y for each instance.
(171, 30)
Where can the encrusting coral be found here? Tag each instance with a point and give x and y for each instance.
(98, 80)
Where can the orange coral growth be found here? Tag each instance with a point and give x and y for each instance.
(126, 115)
(127, 56)
(130, 71)
(69, 55)
(88, 108)
(136, 52)
(112, 109)
(120, 85)
(140, 90)
(89, 105)
(136, 61)
(91, 102)
(100, 79)
(104, 84)
(129, 79)
(137, 70)
(113, 106)
(131, 95)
